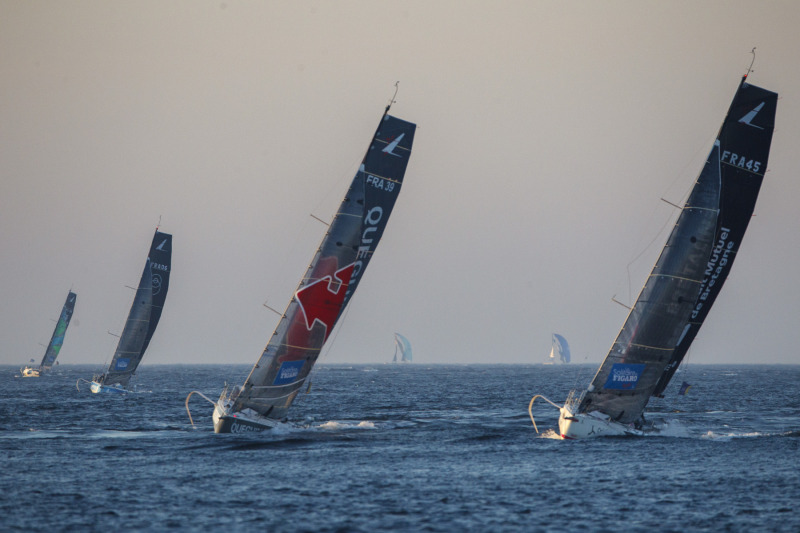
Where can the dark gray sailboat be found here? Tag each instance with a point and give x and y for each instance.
(264, 399)
(686, 279)
(56, 340)
(142, 319)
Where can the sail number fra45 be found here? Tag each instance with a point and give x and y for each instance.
(740, 161)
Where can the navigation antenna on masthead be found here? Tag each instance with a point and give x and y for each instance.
(396, 88)
(750, 68)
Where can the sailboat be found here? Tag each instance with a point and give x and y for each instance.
(332, 277)
(142, 319)
(559, 348)
(56, 341)
(404, 346)
(684, 282)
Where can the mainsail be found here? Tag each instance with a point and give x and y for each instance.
(693, 265)
(326, 288)
(54, 347)
(559, 348)
(687, 277)
(144, 314)
(404, 346)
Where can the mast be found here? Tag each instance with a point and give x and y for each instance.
(332, 275)
(693, 265)
(744, 138)
(145, 312)
(57, 339)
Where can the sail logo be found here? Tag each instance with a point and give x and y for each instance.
(719, 259)
(624, 376)
(747, 119)
(321, 300)
(372, 218)
(288, 372)
(122, 364)
(392, 145)
(156, 284)
(160, 247)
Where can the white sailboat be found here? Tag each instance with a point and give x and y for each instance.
(559, 350)
(402, 345)
(56, 340)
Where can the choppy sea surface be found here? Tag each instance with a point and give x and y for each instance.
(398, 448)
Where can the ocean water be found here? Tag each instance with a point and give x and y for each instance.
(398, 448)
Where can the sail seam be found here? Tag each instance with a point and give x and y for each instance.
(382, 177)
(278, 386)
(676, 277)
(741, 168)
(651, 347)
(396, 148)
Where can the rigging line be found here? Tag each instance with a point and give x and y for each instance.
(628, 266)
(317, 218)
(326, 348)
(579, 375)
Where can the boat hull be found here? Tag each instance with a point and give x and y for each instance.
(29, 372)
(587, 425)
(226, 422)
(97, 388)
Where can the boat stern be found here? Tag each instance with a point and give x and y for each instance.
(97, 388)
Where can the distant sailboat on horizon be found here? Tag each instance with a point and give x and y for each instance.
(321, 298)
(145, 313)
(56, 340)
(560, 348)
(404, 346)
(685, 280)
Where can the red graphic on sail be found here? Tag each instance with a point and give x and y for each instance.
(321, 301)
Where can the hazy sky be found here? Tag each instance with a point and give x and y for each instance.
(548, 131)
